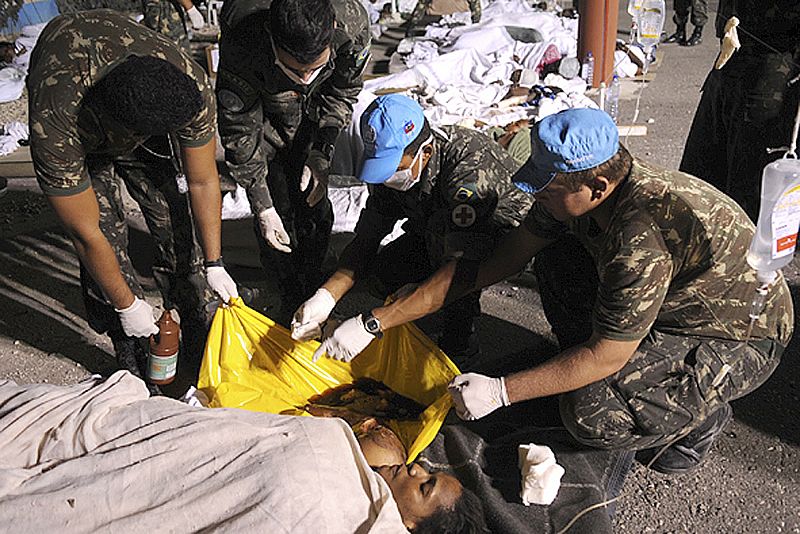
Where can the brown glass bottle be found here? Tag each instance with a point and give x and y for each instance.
(162, 362)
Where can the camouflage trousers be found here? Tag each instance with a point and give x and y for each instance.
(177, 263)
(668, 387)
(698, 8)
(746, 108)
(300, 272)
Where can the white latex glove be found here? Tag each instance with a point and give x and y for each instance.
(346, 342)
(273, 231)
(314, 180)
(196, 18)
(476, 396)
(137, 319)
(305, 178)
(221, 282)
(308, 319)
(730, 43)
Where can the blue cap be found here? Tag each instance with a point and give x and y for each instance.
(569, 141)
(388, 125)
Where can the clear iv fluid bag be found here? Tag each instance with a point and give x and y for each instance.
(775, 239)
(634, 8)
(651, 22)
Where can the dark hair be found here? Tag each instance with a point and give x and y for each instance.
(422, 136)
(149, 95)
(303, 28)
(614, 169)
(465, 517)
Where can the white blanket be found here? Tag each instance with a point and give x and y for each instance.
(12, 78)
(102, 457)
(460, 74)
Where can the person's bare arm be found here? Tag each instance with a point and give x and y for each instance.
(572, 369)
(510, 257)
(204, 191)
(186, 4)
(340, 283)
(80, 216)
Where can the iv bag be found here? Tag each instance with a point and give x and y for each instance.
(651, 22)
(775, 239)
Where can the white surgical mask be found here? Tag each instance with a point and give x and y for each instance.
(292, 75)
(405, 179)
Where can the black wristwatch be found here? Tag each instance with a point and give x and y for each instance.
(372, 324)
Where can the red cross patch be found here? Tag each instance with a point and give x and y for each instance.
(463, 215)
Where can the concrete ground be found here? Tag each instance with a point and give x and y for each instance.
(750, 483)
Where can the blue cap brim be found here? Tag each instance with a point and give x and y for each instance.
(531, 179)
(378, 169)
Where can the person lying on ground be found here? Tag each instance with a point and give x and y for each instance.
(434, 503)
(103, 455)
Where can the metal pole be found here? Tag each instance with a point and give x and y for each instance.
(597, 33)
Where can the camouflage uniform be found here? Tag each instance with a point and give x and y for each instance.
(670, 270)
(271, 126)
(422, 7)
(168, 18)
(74, 147)
(465, 200)
(699, 9)
(747, 105)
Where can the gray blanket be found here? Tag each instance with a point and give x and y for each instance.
(483, 455)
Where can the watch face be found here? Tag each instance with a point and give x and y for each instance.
(372, 325)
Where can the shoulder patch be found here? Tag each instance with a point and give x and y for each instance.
(362, 56)
(464, 193)
(230, 100)
(463, 215)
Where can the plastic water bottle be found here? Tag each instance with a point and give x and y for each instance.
(587, 69)
(612, 99)
(775, 239)
(651, 23)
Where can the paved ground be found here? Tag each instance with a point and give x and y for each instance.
(751, 483)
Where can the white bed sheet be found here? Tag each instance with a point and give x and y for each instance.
(102, 457)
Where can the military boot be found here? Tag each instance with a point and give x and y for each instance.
(688, 452)
(696, 38)
(679, 36)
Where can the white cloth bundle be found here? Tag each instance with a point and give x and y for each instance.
(541, 475)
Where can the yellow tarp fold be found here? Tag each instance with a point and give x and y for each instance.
(252, 363)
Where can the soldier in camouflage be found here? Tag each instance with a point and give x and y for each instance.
(112, 103)
(168, 17)
(651, 310)
(420, 10)
(454, 188)
(699, 12)
(748, 105)
(289, 74)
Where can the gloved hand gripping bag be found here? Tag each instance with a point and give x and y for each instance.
(251, 362)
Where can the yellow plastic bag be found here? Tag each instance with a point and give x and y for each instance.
(252, 363)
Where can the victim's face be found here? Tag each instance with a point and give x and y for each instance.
(419, 494)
